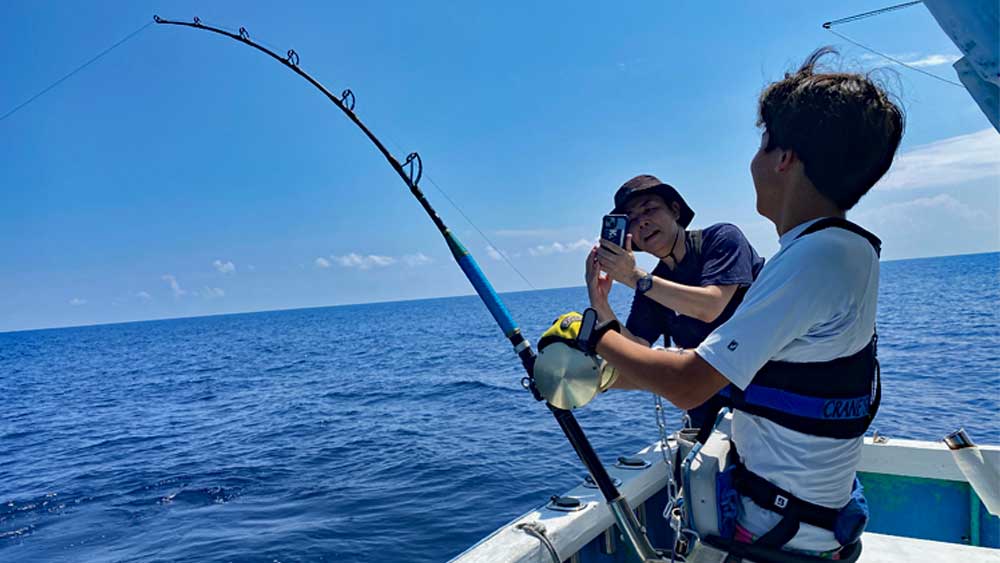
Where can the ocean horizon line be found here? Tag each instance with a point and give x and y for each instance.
(382, 302)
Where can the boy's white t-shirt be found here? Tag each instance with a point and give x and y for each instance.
(814, 301)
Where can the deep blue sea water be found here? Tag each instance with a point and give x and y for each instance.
(381, 432)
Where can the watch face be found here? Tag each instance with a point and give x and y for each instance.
(644, 283)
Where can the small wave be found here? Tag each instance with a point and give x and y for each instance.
(50, 503)
(18, 533)
(283, 367)
(16, 434)
(202, 496)
(474, 385)
(120, 441)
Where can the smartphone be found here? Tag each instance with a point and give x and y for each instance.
(614, 228)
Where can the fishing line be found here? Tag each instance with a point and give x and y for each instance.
(897, 61)
(482, 234)
(94, 59)
(440, 190)
(830, 24)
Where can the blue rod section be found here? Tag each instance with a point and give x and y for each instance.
(482, 285)
(487, 294)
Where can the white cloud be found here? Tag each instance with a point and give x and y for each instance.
(418, 259)
(914, 59)
(212, 292)
(354, 260)
(493, 253)
(369, 261)
(933, 60)
(498, 255)
(533, 233)
(930, 226)
(224, 267)
(947, 162)
(77, 301)
(908, 212)
(560, 248)
(174, 286)
(144, 296)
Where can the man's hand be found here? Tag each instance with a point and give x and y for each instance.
(618, 262)
(598, 285)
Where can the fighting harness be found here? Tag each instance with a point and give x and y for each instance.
(835, 399)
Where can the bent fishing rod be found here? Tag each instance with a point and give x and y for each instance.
(410, 171)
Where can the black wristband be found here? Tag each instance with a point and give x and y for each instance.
(594, 335)
(602, 328)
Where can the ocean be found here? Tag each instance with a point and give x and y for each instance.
(380, 432)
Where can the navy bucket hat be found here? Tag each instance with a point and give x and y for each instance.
(648, 184)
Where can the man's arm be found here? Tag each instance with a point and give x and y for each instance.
(680, 376)
(702, 303)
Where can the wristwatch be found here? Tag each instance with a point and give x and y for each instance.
(644, 284)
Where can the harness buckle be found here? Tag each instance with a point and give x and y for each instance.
(780, 501)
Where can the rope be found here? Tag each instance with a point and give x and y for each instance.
(872, 13)
(537, 530)
(76, 70)
(897, 61)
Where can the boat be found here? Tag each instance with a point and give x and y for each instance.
(923, 508)
(929, 501)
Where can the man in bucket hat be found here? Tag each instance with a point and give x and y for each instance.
(698, 282)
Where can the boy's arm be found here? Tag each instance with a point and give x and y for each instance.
(680, 376)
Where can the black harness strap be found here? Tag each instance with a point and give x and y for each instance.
(828, 222)
(695, 241)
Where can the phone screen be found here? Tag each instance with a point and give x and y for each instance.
(614, 229)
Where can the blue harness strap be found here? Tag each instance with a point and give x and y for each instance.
(835, 399)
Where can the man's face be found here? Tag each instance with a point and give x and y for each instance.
(762, 169)
(652, 223)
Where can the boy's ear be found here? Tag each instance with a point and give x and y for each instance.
(786, 159)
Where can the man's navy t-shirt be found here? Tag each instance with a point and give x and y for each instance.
(726, 258)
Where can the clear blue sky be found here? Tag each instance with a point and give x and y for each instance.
(185, 174)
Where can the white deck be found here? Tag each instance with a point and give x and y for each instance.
(570, 531)
(878, 548)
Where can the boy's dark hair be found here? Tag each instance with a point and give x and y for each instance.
(843, 127)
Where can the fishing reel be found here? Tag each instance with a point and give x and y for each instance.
(565, 374)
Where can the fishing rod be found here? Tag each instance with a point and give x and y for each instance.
(410, 171)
